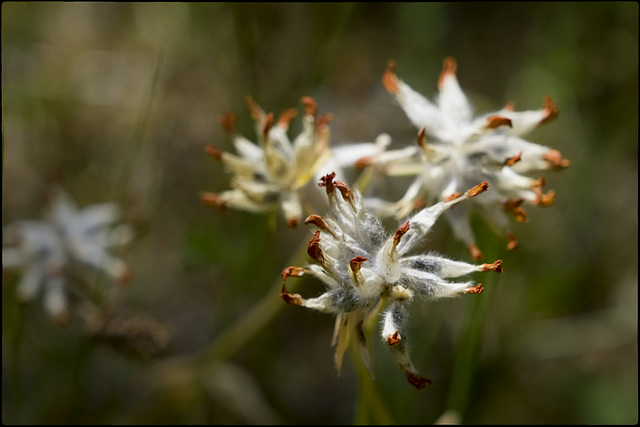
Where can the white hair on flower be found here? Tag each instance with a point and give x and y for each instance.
(456, 150)
(362, 266)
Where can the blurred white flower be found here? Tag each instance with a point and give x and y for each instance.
(46, 250)
(269, 176)
(362, 266)
(37, 247)
(456, 151)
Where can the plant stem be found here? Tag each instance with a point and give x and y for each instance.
(467, 352)
(139, 131)
(371, 408)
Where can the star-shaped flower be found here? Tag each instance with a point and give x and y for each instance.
(362, 266)
(46, 250)
(456, 151)
(270, 175)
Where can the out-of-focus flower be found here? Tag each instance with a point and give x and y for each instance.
(90, 232)
(47, 249)
(362, 267)
(38, 248)
(270, 175)
(456, 151)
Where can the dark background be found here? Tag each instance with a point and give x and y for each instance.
(116, 101)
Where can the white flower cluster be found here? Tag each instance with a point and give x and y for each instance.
(47, 250)
(456, 150)
(362, 267)
(269, 175)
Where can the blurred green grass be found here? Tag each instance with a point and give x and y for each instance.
(558, 338)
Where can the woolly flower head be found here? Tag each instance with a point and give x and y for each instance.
(362, 266)
(69, 236)
(269, 175)
(456, 150)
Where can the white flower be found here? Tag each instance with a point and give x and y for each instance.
(47, 249)
(269, 176)
(362, 266)
(457, 151)
(89, 233)
(39, 249)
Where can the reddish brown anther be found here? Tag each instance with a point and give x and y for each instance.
(285, 118)
(212, 199)
(494, 122)
(322, 123)
(389, 79)
(513, 160)
(542, 199)
(400, 232)
(254, 109)
(124, 278)
(268, 123)
(356, 263)
(324, 120)
(512, 241)
(362, 162)
(293, 299)
(496, 266)
(452, 197)
(314, 250)
(422, 137)
(213, 152)
(416, 380)
(555, 160)
(480, 188)
(310, 105)
(513, 206)
(292, 222)
(475, 252)
(394, 339)
(551, 110)
(449, 68)
(419, 203)
(327, 181)
(292, 271)
(477, 289)
(539, 183)
(510, 106)
(545, 199)
(228, 122)
(344, 190)
(316, 220)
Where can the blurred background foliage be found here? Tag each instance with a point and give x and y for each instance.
(116, 101)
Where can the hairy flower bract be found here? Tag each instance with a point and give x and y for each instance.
(364, 267)
(456, 150)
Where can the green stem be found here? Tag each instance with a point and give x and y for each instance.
(467, 353)
(371, 407)
(77, 396)
(139, 131)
